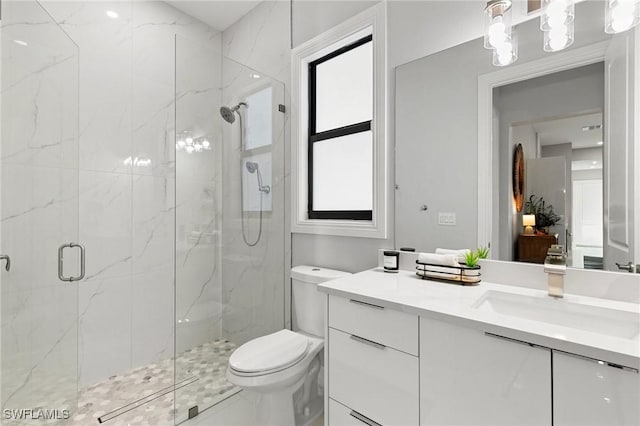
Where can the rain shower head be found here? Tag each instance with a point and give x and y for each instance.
(228, 114)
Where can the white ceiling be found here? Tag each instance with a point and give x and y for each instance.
(564, 130)
(219, 14)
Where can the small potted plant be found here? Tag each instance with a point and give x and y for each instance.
(545, 216)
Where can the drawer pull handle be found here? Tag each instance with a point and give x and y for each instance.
(368, 342)
(519, 342)
(370, 305)
(363, 419)
(608, 364)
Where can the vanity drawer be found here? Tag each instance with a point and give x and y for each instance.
(340, 415)
(379, 324)
(378, 382)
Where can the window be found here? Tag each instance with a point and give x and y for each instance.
(339, 144)
(340, 138)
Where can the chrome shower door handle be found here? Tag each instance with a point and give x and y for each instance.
(7, 259)
(61, 276)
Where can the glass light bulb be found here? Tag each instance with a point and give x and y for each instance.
(556, 8)
(190, 149)
(497, 32)
(506, 49)
(559, 32)
(556, 20)
(206, 144)
(504, 59)
(181, 144)
(558, 43)
(622, 24)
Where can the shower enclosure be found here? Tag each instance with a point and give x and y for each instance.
(229, 226)
(39, 212)
(145, 233)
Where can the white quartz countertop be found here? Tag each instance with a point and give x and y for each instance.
(404, 291)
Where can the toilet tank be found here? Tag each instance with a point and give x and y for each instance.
(308, 304)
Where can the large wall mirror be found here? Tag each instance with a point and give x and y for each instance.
(460, 121)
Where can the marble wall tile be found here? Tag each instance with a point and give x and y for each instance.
(199, 195)
(153, 206)
(34, 199)
(106, 80)
(105, 223)
(152, 318)
(39, 208)
(254, 279)
(261, 39)
(104, 328)
(39, 62)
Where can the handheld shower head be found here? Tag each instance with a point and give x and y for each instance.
(255, 168)
(251, 167)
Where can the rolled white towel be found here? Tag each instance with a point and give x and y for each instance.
(438, 259)
(461, 253)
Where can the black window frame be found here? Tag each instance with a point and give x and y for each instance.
(331, 134)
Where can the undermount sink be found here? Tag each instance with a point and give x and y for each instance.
(595, 319)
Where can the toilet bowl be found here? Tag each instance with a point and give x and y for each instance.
(283, 368)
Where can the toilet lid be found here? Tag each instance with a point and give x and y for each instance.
(272, 352)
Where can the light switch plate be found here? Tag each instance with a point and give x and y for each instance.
(447, 219)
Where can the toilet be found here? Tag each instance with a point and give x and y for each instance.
(285, 368)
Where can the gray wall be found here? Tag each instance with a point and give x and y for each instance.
(555, 95)
(436, 134)
(414, 29)
(310, 18)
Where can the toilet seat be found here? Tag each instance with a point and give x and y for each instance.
(269, 354)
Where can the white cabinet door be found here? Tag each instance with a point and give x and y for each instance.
(469, 378)
(589, 392)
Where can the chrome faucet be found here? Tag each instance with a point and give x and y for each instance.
(555, 265)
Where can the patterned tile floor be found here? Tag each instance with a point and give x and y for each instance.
(202, 367)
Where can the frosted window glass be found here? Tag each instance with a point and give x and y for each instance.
(344, 89)
(259, 119)
(343, 173)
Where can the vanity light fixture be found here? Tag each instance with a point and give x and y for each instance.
(190, 144)
(621, 15)
(498, 32)
(111, 14)
(556, 22)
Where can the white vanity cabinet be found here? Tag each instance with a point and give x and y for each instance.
(387, 367)
(591, 392)
(373, 367)
(468, 377)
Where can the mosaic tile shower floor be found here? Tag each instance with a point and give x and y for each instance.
(203, 368)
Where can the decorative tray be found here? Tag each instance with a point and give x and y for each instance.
(462, 274)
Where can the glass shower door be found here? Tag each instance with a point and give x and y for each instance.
(38, 215)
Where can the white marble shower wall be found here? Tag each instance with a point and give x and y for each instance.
(255, 279)
(39, 180)
(199, 194)
(127, 175)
